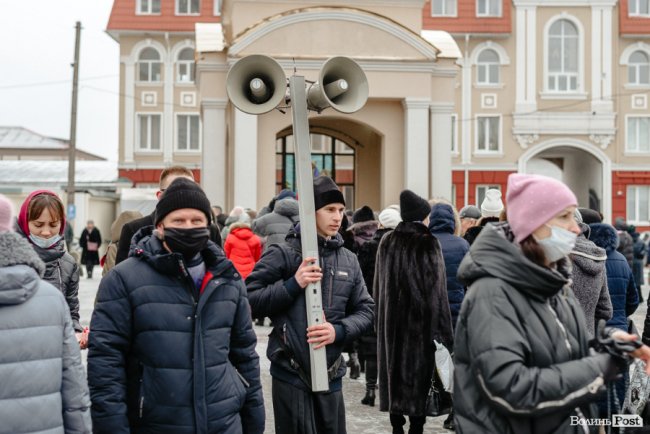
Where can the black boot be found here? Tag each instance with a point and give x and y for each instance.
(369, 399)
(397, 422)
(355, 367)
(449, 422)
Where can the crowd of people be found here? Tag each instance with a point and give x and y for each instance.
(533, 300)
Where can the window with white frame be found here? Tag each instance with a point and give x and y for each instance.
(638, 134)
(563, 55)
(149, 65)
(443, 8)
(488, 133)
(638, 69)
(481, 189)
(454, 133)
(639, 8)
(149, 132)
(185, 66)
(187, 7)
(188, 132)
(148, 7)
(638, 203)
(488, 8)
(217, 7)
(487, 67)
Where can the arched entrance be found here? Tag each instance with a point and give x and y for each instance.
(346, 150)
(580, 165)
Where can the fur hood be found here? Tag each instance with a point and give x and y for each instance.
(16, 250)
(604, 236)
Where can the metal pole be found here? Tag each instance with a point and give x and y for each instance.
(308, 235)
(73, 118)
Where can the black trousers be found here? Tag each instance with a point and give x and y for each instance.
(299, 411)
(89, 268)
(416, 422)
(371, 373)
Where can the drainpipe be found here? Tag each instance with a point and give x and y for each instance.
(465, 148)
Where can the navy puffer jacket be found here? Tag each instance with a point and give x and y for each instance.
(162, 361)
(620, 282)
(442, 225)
(274, 292)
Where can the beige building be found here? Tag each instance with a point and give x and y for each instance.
(539, 86)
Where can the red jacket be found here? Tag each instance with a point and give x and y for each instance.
(244, 249)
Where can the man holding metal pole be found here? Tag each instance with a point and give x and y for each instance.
(276, 288)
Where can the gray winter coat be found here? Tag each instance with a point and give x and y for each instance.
(590, 282)
(62, 271)
(274, 227)
(43, 381)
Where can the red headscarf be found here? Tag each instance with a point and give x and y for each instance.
(23, 223)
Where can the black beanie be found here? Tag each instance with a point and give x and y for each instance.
(363, 214)
(589, 216)
(412, 207)
(182, 193)
(326, 192)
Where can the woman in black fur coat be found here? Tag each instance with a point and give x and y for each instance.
(412, 312)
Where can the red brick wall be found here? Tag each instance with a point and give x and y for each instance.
(632, 25)
(620, 181)
(477, 177)
(149, 176)
(466, 20)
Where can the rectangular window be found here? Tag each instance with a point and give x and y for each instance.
(488, 8)
(488, 133)
(638, 134)
(217, 7)
(146, 7)
(638, 204)
(187, 138)
(639, 8)
(443, 8)
(454, 133)
(187, 7)
(480, 192)
(185, 72)
(149, 132)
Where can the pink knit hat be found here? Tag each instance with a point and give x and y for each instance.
(6, 214)
(534, 200)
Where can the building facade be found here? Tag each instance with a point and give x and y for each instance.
(557, 87)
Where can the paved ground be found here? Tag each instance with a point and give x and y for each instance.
(361, 419)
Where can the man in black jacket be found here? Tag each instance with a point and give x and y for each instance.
(173, 348)
(167, 176)
(276, 289)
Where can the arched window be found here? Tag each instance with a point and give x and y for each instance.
(563, 57)
(329, 155)
(185, 66)
(149, 65)
(638, 71)
(488, 67)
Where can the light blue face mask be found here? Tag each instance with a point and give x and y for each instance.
(44, 243)
(559, 244)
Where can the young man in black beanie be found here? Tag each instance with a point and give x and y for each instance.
(276, 289)
(412, 311)
(173, 348)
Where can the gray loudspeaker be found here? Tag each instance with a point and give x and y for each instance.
(256, 84)
(342, 85)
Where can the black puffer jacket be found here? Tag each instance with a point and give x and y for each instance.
(522, 360)
(274, 292)
(62, 271)
(161, 361)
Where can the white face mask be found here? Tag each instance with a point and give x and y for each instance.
(44, 243)
(559, 244)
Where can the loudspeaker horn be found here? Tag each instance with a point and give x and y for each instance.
(256, 84)
(342, 85)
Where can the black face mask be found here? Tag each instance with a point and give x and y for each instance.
(187, 242)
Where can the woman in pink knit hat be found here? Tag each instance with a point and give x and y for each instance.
(523, 364)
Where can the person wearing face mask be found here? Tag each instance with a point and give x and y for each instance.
(522, 357)
(41, 220)
(173, 346)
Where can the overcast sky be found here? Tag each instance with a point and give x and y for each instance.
(38, 48)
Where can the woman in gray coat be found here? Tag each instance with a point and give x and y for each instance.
(43, 381)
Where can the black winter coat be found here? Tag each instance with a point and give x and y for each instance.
(86, 237)
(162, 361)
(442, 225)
(62, 271)
(367, 258)
(412, 311)
(522, 363)
(274, 292)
